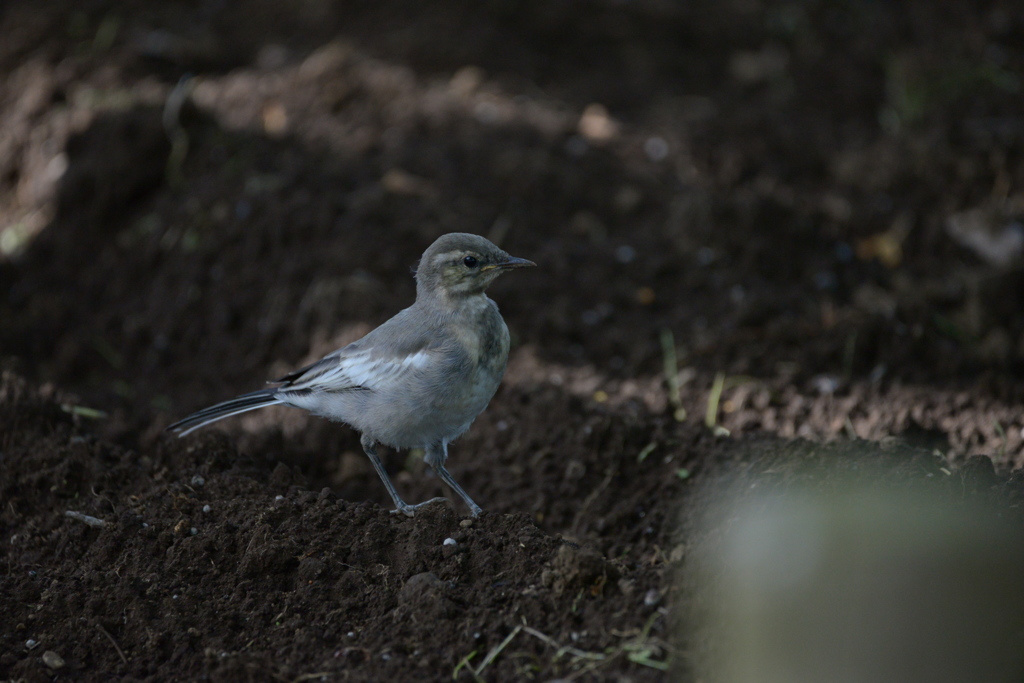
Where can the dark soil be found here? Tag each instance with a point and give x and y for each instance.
(745, 216)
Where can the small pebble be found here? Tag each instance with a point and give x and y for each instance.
(826, 384)
(656, 148)
(193, 531)
(450, 541)
(844, 252)
(826, 280)
(278, 497)
(576, 146)
(466, 523)
(198, 481)
(706, 256)
(652, 597)
(737, 294)
(207, 508)
(31, 644)
(625, 254)
(53, 660)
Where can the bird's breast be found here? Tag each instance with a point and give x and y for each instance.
(484, 338)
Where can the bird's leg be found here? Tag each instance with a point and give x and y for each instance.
(435, 457)
(400, 505)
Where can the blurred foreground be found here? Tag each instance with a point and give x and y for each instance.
(855, 583)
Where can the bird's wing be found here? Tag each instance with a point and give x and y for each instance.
(312, 370)
(356, 369)
(374, 361)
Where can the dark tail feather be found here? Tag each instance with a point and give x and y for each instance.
(242, 404)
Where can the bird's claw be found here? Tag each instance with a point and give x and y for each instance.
(410, 510)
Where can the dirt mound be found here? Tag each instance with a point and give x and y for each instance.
(195, 559)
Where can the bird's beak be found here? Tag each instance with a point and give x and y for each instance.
(512, 262)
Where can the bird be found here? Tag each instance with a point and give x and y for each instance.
(417, 381)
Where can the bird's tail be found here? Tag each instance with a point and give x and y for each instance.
(241, 404)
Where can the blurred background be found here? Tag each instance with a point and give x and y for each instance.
(820, 200)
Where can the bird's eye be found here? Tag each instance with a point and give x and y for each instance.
(470, 262)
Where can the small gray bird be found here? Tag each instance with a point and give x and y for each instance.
(417, 381)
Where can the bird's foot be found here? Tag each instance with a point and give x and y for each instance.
(410, 510)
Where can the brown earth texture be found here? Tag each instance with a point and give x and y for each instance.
(775, 239)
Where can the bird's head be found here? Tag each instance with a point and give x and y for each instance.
(460, 264)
